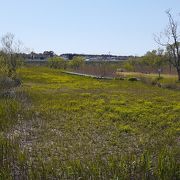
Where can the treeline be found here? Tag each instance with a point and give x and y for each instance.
(60, 63)
(155, 61)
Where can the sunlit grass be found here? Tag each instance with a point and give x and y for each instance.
(74, 127)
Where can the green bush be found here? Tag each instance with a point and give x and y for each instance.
(76, 62)
(57, 63)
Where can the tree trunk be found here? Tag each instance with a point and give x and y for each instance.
(170, 68)
(178, 71)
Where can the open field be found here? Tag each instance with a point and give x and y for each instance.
(70, 127)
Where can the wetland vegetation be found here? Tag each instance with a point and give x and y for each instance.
(60, 126)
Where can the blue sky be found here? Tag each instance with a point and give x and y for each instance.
(122, 27)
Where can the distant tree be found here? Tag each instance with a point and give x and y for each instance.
(3, 64)
(155, 59)
(57, 63)
(10, 58)
(149, 58)
(130, 64)
(170, 39)
(158, 61)
(76, 62)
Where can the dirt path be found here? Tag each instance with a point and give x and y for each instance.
(87, 75)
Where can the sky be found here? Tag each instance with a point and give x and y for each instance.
(120, 27)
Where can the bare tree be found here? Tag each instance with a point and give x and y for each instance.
(10, 54)
(170, 39)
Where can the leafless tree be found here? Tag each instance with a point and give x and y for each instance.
(10, 54)
(170, 39)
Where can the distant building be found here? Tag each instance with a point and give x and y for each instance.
(93, 58)
(42, 57)
(39, 56)
(48, 54)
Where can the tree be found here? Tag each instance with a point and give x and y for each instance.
(76, 62)
(170, 39)
(10, 55)
(155, 59)
(57, 63)
(129, 65)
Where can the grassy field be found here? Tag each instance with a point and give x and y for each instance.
(60, 126)
(165, 80)
(152, 75)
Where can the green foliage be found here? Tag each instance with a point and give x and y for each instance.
(9, 64)
(154, 58)
(10, 57)
(129, 65)
(3, 64)
(76, 62)
(57, 63)
(8, 113)
(152, 61)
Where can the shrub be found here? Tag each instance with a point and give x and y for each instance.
(8, 83)
(10, 57)
(76, 62)
(133, 79)
(6, 86)
(57, 63)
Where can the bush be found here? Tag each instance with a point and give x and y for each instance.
(6, 86)
(133, 79)
(57, 63)
(8, 83)
(10, 56)
(76, 62)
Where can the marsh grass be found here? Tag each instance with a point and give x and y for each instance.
(165, 81)
(60, 126)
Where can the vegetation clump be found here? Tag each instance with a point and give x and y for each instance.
(133, 79)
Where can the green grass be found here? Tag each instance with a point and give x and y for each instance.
(71, 127)
(165, 80)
